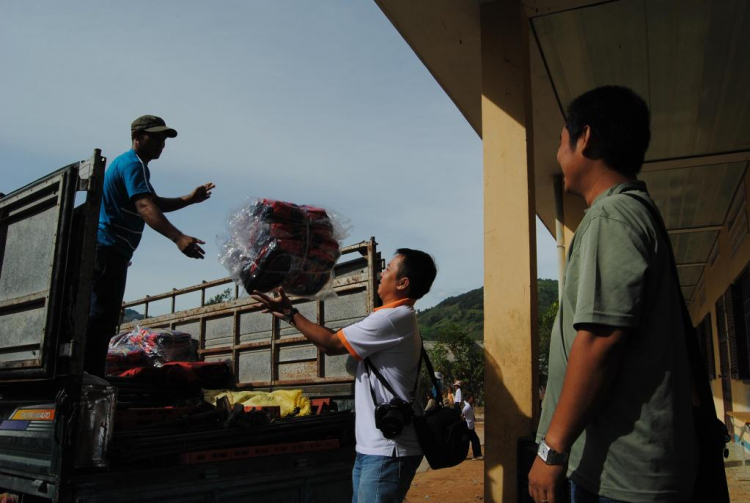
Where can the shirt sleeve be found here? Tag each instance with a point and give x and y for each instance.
(612, 278)
(371, 335)
(136, 181)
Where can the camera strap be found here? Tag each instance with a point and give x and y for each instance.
(372, 370)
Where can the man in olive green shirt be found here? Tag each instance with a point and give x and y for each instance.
(617, 414)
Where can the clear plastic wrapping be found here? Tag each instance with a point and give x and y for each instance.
(146, 347)
(273, 243)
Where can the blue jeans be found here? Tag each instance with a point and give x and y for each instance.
(580, 495)
(382, 479)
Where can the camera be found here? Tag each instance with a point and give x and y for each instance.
(391, 417)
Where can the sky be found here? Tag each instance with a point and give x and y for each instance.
(311, 102)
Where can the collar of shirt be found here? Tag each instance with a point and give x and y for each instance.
(619, 189)
(402, 302)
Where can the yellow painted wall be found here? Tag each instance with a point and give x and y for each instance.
(716, 280)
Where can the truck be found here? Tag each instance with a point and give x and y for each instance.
(68, 437)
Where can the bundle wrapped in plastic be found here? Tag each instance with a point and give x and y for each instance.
(273, 243)
(145, 347)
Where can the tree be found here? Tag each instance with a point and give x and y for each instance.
(224, 296)
(458, 357)
(546, 324)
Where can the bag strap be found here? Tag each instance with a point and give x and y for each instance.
(373, 370)
(700, 376)
(431, 373)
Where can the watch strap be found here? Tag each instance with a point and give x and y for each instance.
(289, 315)
(551, 456)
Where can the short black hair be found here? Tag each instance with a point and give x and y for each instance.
(468, 395)
(420, 268)
(619, 120)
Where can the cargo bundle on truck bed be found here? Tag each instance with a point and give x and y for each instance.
(67, 437)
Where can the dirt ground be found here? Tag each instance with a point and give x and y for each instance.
(460, 484)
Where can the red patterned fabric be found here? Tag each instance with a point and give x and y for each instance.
(207, 374)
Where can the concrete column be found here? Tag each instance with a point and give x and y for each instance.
(510, 285)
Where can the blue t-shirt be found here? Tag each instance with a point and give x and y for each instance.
(120, 225)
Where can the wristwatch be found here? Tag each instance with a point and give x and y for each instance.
(289, 315)
(551, 456)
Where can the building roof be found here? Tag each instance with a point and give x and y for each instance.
(686, 59)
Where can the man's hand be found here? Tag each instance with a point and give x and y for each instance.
(322, 337)
(276, 306)
(545, 481)
(190, 246)
(201, 193)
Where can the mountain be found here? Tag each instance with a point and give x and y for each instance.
(130, 315)
(467, 311)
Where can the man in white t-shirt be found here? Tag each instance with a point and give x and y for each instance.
(468, 414)
(389, 338)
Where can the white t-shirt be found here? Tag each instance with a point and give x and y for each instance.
(468, 413)
(458, 396)
(390, 338)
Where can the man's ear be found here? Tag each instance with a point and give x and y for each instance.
(584, 139)
(403, 284)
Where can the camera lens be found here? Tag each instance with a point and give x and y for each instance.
(391, 426)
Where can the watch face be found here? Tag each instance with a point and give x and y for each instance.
(543, 450)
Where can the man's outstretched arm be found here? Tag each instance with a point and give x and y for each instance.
(154, 217)
(322, 337)
(592, 365)
(200, 194)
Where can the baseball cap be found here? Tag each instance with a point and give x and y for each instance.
(152, 124)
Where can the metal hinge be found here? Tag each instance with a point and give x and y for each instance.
(41, 486)
(85, 169)
(66, 349)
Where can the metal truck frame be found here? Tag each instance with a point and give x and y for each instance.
(47, 249)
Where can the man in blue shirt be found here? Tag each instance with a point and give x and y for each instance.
(129, 201)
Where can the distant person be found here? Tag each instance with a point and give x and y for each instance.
(439, 390)
(617, 417)
(389, 339)
(431, 402)
(449, 397)
(458, 397)
(129, 201)
(468, 414)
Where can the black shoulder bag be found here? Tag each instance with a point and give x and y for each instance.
(442, 432)
(711, 479)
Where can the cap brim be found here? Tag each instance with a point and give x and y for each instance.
(171, 133)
